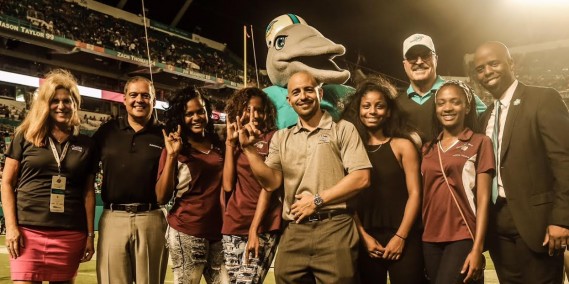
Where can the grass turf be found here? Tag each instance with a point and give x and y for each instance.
(88, 275)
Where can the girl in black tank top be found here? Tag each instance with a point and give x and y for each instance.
(387, 211)
(382, 209)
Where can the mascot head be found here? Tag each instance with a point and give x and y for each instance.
(295, 46)
(278, 24)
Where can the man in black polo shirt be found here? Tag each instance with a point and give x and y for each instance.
(131, 244)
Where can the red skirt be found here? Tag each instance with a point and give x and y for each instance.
(48, 255)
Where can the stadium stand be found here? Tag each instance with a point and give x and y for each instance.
(72, 21)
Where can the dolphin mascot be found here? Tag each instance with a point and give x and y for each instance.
(295, 46)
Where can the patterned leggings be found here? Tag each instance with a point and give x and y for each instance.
(192, 257)
(254, 272)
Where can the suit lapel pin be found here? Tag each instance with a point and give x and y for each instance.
(517, 102)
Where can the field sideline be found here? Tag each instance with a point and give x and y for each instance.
(87, 274)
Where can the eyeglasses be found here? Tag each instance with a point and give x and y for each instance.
(134, 95)
(413, 58)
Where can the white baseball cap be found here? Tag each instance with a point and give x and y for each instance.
(418, 39)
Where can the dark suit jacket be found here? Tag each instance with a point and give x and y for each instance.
(535, 161)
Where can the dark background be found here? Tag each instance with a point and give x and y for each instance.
(374, 29)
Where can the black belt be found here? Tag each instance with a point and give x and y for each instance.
(131, 208)
(327, 214)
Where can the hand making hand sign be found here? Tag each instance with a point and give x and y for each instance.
(248, 133)
(232, 139)
(173, 141)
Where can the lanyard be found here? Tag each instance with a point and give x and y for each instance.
(58, 159)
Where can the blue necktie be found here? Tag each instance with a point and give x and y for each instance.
(495, 142)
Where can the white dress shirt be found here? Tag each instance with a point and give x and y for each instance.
(505, 100)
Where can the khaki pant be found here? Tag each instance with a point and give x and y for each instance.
(132, 247)
(318, 252)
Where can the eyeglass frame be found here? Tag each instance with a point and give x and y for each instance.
(425, 57)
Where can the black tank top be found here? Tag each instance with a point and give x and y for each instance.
(382, 205)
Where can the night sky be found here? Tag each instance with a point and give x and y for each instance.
(375, 29)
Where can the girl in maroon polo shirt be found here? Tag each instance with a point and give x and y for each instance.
(451, 253)
(191, 167)
(252, 217)
(387, 212)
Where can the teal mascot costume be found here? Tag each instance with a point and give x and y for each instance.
(295, 46)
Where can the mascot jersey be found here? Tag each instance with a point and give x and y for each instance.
(300, 47)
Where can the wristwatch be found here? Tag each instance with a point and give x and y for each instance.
(318, 201)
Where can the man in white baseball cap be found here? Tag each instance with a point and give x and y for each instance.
(416, 40)
(420, 63)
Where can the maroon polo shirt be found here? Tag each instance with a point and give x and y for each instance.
(470, 156)
(243, 201)
(197, 207)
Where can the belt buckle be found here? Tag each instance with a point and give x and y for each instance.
(131, 208)
(314, 218)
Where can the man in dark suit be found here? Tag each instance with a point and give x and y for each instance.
(529, 226)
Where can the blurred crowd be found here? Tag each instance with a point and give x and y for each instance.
(545, 68)
(12, 112)
(72, 21)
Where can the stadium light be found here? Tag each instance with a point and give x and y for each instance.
(35, 82)
(19, 79)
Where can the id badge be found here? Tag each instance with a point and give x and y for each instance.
(57, 197)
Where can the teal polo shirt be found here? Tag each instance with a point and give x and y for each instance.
(480, 106)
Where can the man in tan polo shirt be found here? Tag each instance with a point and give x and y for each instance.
(322, 164)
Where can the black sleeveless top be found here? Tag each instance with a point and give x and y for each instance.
(382, 205)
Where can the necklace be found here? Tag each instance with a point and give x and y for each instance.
(378, 147)
(375, 150)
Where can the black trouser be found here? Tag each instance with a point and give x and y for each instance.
(408, 269)
(444, 261)
(515, 262)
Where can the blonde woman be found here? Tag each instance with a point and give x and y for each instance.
(48, 206)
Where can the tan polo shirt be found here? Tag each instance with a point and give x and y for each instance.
(315, 161)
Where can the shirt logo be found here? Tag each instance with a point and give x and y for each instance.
(464, 147)
(324, 138)
(261, 147)
(77, 148)
(155, 146)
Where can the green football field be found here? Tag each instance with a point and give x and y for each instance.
(87, 273)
